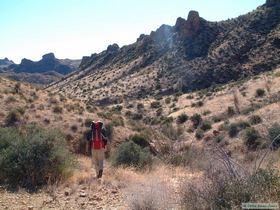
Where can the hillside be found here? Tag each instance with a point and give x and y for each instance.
(180, 153)
(192, 54)
(42, 72)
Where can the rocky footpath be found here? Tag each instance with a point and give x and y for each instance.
(94, 195)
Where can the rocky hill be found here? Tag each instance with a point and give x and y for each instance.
(192, 54)
(5, 62)
(44, 71)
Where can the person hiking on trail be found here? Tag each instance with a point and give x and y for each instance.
(98, 146)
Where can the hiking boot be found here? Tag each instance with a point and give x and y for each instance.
(100, 174)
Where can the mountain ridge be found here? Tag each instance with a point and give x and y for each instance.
(42, 72)
(193, 54)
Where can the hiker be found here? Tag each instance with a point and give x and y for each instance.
(98, 146)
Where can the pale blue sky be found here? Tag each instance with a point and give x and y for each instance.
(73, 28)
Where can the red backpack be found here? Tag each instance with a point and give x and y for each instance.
(98, 138)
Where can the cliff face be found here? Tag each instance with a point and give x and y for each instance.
(192, 54)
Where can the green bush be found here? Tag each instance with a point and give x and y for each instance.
(117, 121)
(33, 157)
(136, 116)
(117, 108)
(199, 134)
(233, 130)
(88, 122)
(140, 106)
(159, 112)
(182, 118)
(155, 105)
(205, 125)
(252, 138)
(131, 154)
(13, 117)
(243, 124)
(57, 109)
(168, 100)
(260, 92)
(255, 119)
(140, 140)
(196, 120)
(109, 129)
(273, 132)
(171, 131)
(230, 111)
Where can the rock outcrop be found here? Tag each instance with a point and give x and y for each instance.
(190, 27)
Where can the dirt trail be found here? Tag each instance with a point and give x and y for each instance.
(94, 195)
(118, 188)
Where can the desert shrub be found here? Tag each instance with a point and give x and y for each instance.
(242, 124)
(140, 106)
(159, 111)
(136, 116)
(155, 105)
(131, 154)
(139, 140)
(233, 130)
(57, 109)
(53, 100)
(219, 138)
(117, 108)
(14, 117)
(74, 128)
(88, 122)
(34, 157)
(166, 120)
(252, 138)
(199, 104)
(109, 128)
(199, 134)
(91, 108)
(230, 111)
(189, 97)
(273, 132)
(171, 131)
(46, 121)
(220, 189)
(167, 100)
(182, 118)
(255, 119)
(205, 125)
(196, 120)
(206, 112)
(117, 121)
(192, 157)
(10, 99)
(260, 92)
(217, 118)
(247, 110)
(17, 88)
(41, 107)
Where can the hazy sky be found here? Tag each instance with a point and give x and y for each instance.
(73, 28)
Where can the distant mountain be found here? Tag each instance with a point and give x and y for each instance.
(193, 54)
(5, 62)
(45, 71)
